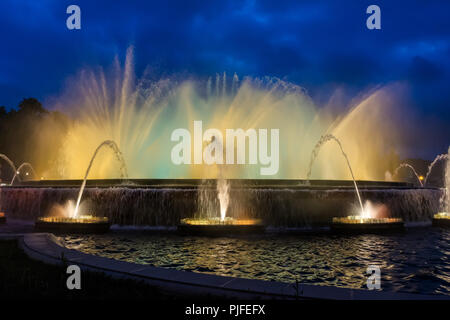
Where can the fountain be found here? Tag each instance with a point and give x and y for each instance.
(208, 224)
(431, 166)
(19, 169)
(442, 219)
(77, 223)
(315, 153)
(9, 162)
(140, 114)
(13, 167)
(410, 167)
(123, 169)
(365, 221)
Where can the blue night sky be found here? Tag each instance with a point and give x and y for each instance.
(320, 45)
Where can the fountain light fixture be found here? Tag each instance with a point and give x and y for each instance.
(441, 219)
(80, 224)
(2, 218)
(362, 224)
(219, 227)
(218, 221)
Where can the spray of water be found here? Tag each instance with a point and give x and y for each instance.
(410, 167)
(445, 199)
(431, 166)
(324, 139)
(123, 169)
(224, 197)
(140, 114)
(9, 162)
(19, 170)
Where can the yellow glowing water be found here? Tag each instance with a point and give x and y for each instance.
(140, 116)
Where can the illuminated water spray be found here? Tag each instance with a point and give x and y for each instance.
(431, 166)
(19, 169)
(445, 199)
(9, 162)
(140, 114)
(223, 195)
(324, 139)
(443, 218)
(123, 169)
(410, 167)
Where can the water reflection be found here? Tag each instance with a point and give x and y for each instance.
(416, 261)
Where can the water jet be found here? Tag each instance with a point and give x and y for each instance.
(413, 170)
(431, 166)
(76, 223)
(442, 219)
(324, 139)
(18, 171)
(9, 162)
(363, 222)
(123, 169)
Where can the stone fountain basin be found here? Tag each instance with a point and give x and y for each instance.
(351, 225)
(441, 220)
(67, 225)
(204, 227)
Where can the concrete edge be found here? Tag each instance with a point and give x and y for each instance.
(49, 249)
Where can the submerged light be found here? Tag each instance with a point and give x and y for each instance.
(362, 224)
(219, 227)
(217, 221)
(80, 224)
(2, 218)
(441, 219)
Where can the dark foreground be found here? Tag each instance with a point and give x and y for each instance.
(24, 278)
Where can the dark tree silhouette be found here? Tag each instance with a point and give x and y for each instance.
(32, 107)
(31, 134)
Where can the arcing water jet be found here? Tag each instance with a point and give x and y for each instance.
(406, 165)
(9, 162)
(315, 153)
(23, 165)
(431, 166)
(123, 169)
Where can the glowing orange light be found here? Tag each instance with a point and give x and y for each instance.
(442, 215)
(80, 219)
(359, 219)
(217, 221)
